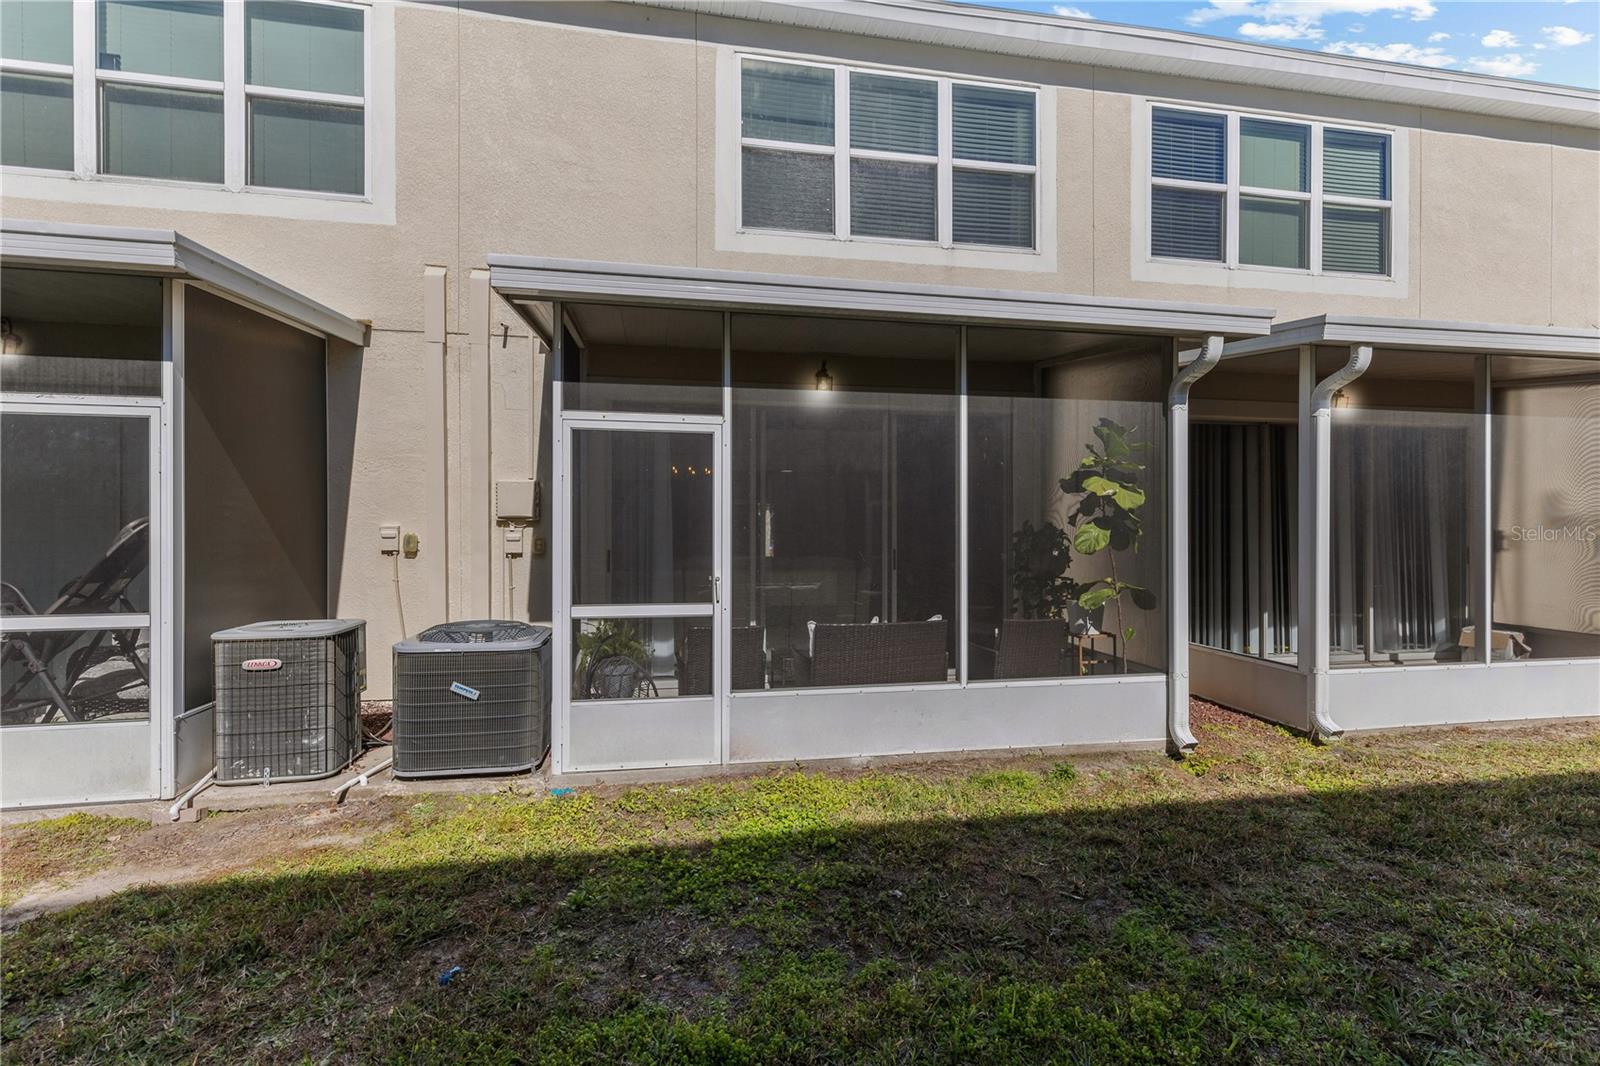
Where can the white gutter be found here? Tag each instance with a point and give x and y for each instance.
(1320, 631)
(1180, 740)
(1167, 52)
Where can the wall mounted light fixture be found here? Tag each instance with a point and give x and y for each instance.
(824, 379)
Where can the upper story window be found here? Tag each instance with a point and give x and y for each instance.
(853, 154)
(268, 94)
(1251, 191)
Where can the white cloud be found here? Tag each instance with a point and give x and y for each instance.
(1499, 39)
(1308, 11)
(1071, 12)
(1566, 36)
(1281, 31)
(1435, 38)
(1505, 65)
(1393, 53)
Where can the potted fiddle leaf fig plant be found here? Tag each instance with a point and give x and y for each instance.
(1039, 560)
(1109, 484)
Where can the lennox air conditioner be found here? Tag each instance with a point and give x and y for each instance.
(288, 699)
(472, 698)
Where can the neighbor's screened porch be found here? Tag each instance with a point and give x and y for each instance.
(1456, 486)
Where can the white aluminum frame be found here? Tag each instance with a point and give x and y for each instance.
(1233, 190)
(156, 621)
(944, 161)
(567, 613)
(88, 80)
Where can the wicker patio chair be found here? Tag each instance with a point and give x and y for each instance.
(875, 653)
(1030, 647)
(748, 655)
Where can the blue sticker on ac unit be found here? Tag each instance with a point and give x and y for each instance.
(462, 690)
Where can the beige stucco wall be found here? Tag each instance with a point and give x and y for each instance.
(588, 130)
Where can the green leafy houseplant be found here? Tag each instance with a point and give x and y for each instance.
(1109, 484)
(1039, 560)
(609, 637)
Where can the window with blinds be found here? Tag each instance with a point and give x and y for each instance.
(167, 103)
(886, 155)
(1253, 191)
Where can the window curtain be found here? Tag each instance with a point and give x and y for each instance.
(1242, 518)
(1401, 567)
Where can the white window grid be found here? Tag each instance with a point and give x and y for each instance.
(88, 80)
(1233, 191)
(945, 161)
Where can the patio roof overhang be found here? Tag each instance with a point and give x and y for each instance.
(167, 253)
(524, 281)
(1467, 338)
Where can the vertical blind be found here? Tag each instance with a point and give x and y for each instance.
(1274, 155)
(41, 32)
(1272, 232)
(303, 46)
(36, 121)
(161, 133)
(303, 145)
(178, 40)
(1189, 146)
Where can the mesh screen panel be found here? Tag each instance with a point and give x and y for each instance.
(297, 722)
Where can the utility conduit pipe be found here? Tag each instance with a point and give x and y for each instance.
(359, 779)
(175, 811)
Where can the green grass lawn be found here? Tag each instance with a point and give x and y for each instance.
(1432, 898)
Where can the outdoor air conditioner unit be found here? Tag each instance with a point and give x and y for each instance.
(288, 699)
(472, 698)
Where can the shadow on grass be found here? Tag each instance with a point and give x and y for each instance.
(1433, 923)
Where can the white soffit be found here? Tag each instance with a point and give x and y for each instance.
(1472, 338)
(169, 254)
(520, 278)
(1102, 44)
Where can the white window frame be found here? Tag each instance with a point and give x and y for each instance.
(87, 182)
(841, 243)
(1310, 278)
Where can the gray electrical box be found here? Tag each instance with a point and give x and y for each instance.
(520, 499)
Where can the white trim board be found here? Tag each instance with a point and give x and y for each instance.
(1168, 52)
(1475, 338)
(165, 252)
(521, 278)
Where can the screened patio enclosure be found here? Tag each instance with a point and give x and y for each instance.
(134, 361)
(1398, 523)
(815, 518)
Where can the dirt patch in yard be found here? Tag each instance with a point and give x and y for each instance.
(62, 862)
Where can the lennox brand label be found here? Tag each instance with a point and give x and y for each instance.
(261, 664)
(462, 690)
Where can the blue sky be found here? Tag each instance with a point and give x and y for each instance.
(1541, 40)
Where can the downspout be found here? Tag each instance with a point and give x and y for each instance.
(1323, 727)
(1180, 741)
